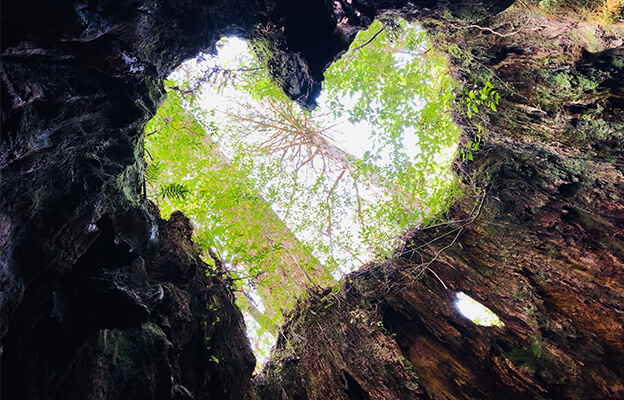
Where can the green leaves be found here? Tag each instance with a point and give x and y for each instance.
(487, 97)
(221, 196)
(173, 191)
(152, 172)
(399, 85)
(470, 147)
(473, 101)
(273, 192)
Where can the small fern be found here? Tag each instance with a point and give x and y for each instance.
(173, 191)
(152, 172)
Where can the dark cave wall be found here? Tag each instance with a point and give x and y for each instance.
(102, 299)
(89, 309)
(124, 327)
(79, 81)
(84, 257)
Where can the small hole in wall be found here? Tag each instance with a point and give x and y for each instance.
(475, 311)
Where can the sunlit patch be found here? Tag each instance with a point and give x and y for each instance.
(475, 311)
(284, 198)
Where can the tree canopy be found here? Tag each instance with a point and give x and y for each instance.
(274, 193)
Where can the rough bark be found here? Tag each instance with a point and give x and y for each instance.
(81, 315)
(79, 82)
(537, 238)
(118, 326)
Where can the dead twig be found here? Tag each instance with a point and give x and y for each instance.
(425, 267)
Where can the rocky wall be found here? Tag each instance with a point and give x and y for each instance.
(102, 299)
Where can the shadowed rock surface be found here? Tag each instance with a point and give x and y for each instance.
(121, 326)
(103, 300)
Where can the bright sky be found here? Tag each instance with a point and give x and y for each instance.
(233, 51)
(354, 139)
(475, 311)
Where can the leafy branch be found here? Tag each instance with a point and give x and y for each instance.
(173, 191)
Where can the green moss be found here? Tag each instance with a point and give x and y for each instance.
(612, 12)
(128, 185)
(561, 82)
(267, 44)
(564, 85)
(522, 294)
(533, 358)
(123, 355)
(592, 129)
(605, 11)
(586, 85)
(549, 6)
(313, 386)
(129, 347)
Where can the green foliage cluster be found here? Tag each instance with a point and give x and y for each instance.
(393, 87)
(470, 103)
(399, 88)
(273, 196)
(222, 198)
(400, 85)
(474, 98)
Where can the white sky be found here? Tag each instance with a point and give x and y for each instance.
(475, 311)
(354, 139)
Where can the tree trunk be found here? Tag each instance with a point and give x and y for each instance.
(537, 238)
(84, 317)
(271, 257)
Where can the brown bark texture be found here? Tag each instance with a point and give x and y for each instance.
(537, 238)
(100, 299)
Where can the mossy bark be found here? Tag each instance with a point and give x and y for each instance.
(537, 237)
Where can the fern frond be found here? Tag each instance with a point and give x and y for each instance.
(152, 172)
(173, 191)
